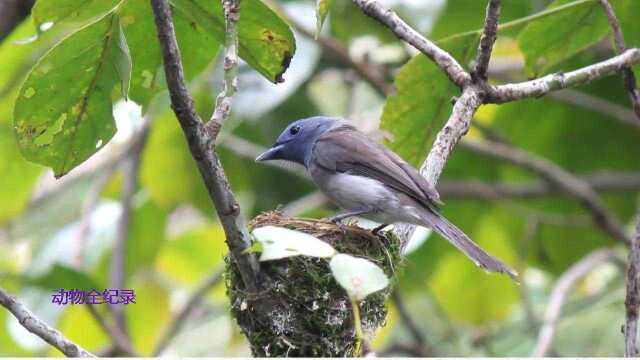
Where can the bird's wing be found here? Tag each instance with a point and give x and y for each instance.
(344, 149)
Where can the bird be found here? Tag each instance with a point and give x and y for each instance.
(366, 179)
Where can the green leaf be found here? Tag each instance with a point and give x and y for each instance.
(63, 113)
(322, 10)
(548, 41)
(63, 277)
(146, 237)
(265, 40)
(71, 11)
(18, 176)
(198, 49)
(415, 114)
(122, 61)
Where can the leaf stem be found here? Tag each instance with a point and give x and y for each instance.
(357, 324)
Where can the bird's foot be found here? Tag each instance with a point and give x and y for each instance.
(377, 229)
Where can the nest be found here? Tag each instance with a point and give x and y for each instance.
(303, 311)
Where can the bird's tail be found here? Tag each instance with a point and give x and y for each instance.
(456, 237)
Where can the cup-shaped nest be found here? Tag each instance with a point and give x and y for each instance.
(304, 311)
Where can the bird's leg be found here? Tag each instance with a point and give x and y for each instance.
(377, 229)
(338, 218)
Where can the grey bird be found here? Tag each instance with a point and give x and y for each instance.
(366, 179)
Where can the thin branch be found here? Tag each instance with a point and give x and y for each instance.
(223, 102)
(368, 73)
(178, 321)
(37, 327)
(117, 271)
(557, 81)
(597, 104)
(120, 340)
(604, 181)
(558, 177)
(627, 72)
(632, 300)
(200, 144)
(487, 40)
(419, 340)
(559, 295)
(402, 30)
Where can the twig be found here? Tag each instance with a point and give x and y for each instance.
(632, 300)
(223, 102)
(605, 181)
(402, 30)
(117, 271)
(546, 84)
(559, 294)
(599, 105)
(200, 144)
(559, 177)
(627, 72)
(419, 340)
(121, 342)
(488, 39)
(37, 327)
(178, 321)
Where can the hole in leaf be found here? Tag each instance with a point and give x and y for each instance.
(29, 92)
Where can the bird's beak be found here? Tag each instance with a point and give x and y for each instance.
(271, 154)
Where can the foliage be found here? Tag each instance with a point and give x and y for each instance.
(68, 67)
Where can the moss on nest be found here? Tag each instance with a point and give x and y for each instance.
(304, 312)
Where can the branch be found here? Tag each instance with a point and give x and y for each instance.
(557, 81)
(455, 128)
(121, 342)
(558, 177)
(559, 295)
(419, 340)
(488, 39)
(223, 101)
(632, 301)
(402, 30)
(605, 181)
(599, 105)
(200, 143)
(627, 72)
(178, 321)
(117, 273)
(37, 327)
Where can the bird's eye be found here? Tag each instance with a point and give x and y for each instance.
(294, 129)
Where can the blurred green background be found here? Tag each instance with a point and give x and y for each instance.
(60, 233)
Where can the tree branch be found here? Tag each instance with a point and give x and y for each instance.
(402, 30)
(178, 321)
(200, 144)
(487, 40)
(37, 327)
(117, 271)
(558, 177)
(597, 104)
(557, 81)
(627, 72)
(223, 101)
(559, 295)
(121, 342)
(632, 300)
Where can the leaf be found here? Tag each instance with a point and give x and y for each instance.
(322, 10)
(18, 176)
(415, 114)
(279, 243)
(548, 41)
(265, 40)
(146, 237)
(359, 277)
(63, 113)
(71, 11)
(63, 277)
(198, 49)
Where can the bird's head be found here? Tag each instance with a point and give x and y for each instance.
(296, 141)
